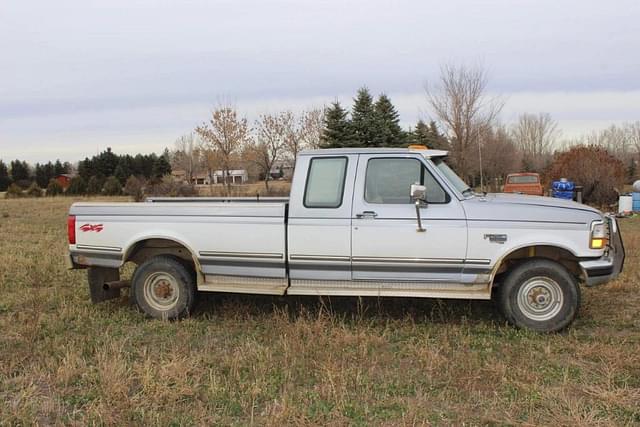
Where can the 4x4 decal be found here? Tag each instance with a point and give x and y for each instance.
(91, 227)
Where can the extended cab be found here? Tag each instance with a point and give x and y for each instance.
(359, 222)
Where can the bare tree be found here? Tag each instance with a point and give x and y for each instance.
(460, 103)
(224, 134)
(310, 126)
(305, 133)
(633, 134)
(187, 156)
(273, 131)
(500, 155)
(536, 136)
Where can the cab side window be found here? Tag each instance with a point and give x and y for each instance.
(325, 182)
(388, 181)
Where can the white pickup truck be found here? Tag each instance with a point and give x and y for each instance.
(359, 222)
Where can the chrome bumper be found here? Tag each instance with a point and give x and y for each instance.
(609, 266)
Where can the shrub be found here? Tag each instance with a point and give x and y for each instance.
(170, 187)
(54, 188)
(133, 188)
(599, 173)
(95, 184)
(14, 191)
(112, 187)
(34, 190)
(77, 186)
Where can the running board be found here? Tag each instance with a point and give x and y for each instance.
(244, 285)
(391, 289)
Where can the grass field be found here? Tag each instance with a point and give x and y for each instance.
(259, 360)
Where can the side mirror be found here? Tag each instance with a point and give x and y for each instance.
(418, 192)
(419, 196)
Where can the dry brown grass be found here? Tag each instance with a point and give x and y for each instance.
(260, 360)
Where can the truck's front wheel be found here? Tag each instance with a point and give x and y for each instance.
(164, 288)
(540, 295)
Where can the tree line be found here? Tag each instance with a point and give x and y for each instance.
(464, 119)
(105, 173)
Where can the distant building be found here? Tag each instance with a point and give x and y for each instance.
(281, 169)
(236, 176)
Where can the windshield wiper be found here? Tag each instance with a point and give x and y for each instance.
(468, 191)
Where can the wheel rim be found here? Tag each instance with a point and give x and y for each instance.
(161, 291)
(540, 298)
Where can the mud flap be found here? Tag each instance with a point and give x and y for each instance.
(98, 276)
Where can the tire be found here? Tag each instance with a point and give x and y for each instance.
(164, 288)
(540, 295)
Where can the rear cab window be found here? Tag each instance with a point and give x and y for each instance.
(523, 179)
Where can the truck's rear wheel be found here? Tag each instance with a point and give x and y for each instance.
(164, 288)
(540, 295)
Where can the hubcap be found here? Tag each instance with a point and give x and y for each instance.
(161, 291)
(540, 298)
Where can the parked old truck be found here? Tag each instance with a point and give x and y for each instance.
(358, 222)
(523, 183)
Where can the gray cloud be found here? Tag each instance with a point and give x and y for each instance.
(137, 72)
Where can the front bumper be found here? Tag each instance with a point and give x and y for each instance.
(609, 266)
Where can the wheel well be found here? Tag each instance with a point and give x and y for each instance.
(145, 249)
(553, 253)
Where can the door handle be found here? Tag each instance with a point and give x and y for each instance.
(366, 214)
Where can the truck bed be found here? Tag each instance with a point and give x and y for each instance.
(228, 239)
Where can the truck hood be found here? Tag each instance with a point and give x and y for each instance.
(504, 206)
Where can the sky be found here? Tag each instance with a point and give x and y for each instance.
(77, 76)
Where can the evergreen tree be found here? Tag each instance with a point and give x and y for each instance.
(428, 135)
(105, 163)
(5, 181)
(364, 124)
(336, 132)
(388, 130)
(20, 173)
(43, 173)
(85, 168)
(161, 167)
(58, 168)
(126, 164)
(41, 178)
(77, 186)
(120, 174)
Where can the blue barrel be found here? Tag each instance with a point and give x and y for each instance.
(635, 196)
(563, 189)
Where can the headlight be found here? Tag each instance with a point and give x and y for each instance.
(599, 235)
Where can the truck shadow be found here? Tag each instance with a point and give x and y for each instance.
(372, 309)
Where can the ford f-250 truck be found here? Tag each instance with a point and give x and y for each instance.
(359, 222)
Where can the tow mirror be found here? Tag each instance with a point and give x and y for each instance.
(418, 192)
(419, 197)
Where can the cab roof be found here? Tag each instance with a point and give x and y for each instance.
(427, 153)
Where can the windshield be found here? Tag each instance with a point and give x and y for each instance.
(454, 179)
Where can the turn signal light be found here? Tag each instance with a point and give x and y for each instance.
(598, 243)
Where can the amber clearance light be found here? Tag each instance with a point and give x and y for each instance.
(599, 235)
